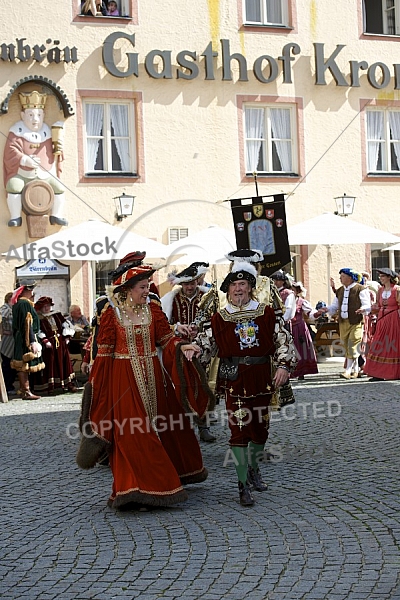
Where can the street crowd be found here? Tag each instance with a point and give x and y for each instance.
(156, 368)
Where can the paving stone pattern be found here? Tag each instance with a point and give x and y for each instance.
(327, 528)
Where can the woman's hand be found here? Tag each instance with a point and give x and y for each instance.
(281, 377)
(190, 351)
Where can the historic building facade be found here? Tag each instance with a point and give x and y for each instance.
(178, 104)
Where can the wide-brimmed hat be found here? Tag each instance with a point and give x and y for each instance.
(43, 301)
(240, 270)
(132, 276)
(246, 254)
(191, 273)
(133, 259)
(387, 271)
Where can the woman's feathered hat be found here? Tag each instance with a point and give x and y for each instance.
(132, 276)
(241, 270)
(133, 259)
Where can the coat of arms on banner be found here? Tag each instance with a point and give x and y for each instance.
(269, 213)
(258, 210)
(265, 231)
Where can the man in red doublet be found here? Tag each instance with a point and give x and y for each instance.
(252, 342)
(181, 305)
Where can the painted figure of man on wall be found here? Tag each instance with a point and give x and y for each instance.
(30, 154)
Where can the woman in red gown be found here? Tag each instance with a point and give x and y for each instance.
(130, 406)
(383, 359)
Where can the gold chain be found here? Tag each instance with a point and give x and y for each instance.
(135, 309)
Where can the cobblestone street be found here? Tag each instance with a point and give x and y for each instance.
(327, 528)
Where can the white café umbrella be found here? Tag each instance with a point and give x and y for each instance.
(209, 245)
(92, 241)
(329, 229)
(395, 247)
(89, 241)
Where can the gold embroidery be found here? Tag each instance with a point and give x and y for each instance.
(143, 368)
(127, 356)
(242, 315)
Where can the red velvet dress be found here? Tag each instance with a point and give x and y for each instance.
(383, 359)
(135, 408)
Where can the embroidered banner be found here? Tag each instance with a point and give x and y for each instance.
(260, 224)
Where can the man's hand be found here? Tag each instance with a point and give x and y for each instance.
(281, 377)
(183, 330)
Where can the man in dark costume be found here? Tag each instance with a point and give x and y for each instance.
(54, 336)
(27, 350)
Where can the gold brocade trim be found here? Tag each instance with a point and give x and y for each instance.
(147, 492)
(142, 366)
(102, 354)
(117, 355)
(166, 338)
(105, 346)
(28, 324)
(242, 315)
(383, 361)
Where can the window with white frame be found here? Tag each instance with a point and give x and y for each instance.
(110, 144)
(383, 141)
(266, 12)
(382, 16)
(87, 8)
(270, 139)
(177, 233)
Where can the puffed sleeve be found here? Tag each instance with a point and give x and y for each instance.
(188, 377)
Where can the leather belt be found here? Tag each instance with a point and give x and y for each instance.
(251, 360)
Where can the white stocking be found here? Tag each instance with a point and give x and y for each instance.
(58, 205)
(14, 203)
(349, 365)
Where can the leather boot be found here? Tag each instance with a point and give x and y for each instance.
(255, 481)
(206, 435)
(245, 495)
(26, 393)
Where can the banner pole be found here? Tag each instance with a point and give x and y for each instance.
(255, 181)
